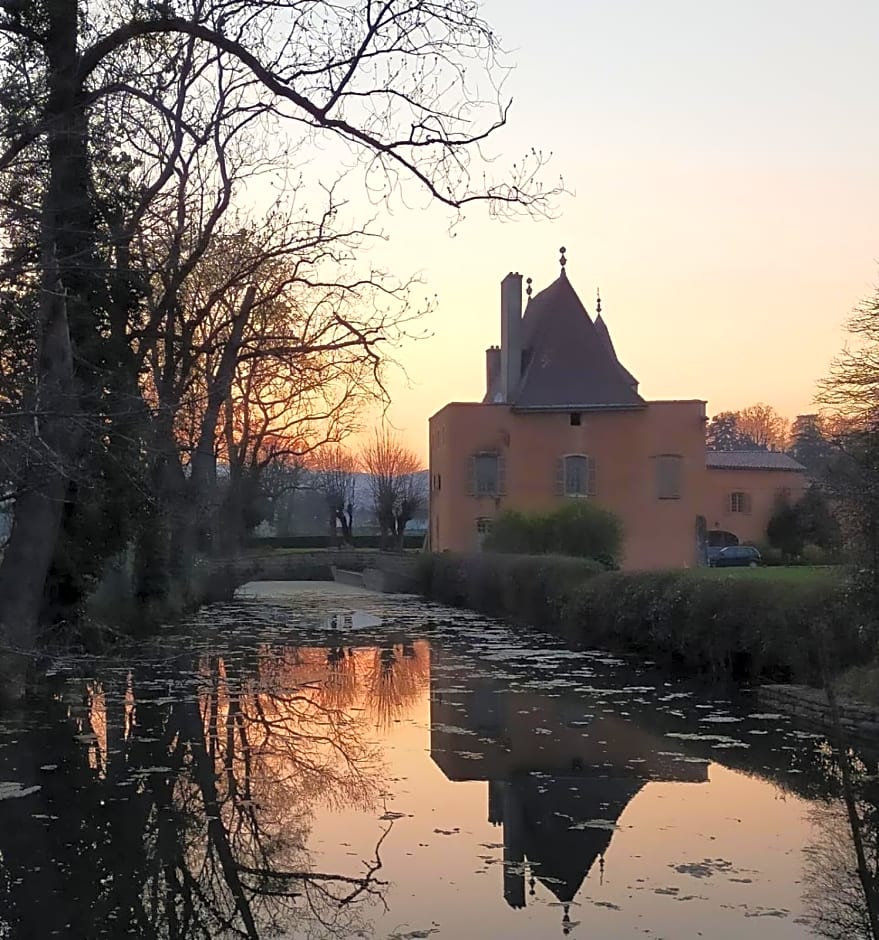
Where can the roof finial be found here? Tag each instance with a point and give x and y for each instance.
(598, 300)
(563, 260)
(528, 288)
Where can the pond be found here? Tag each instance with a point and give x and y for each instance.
(315, 762)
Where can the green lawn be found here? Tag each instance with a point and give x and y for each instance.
(775, 572)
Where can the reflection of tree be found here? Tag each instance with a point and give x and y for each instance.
(384, 681)
(841, 870)
(399, 672)
(834, 896)
(192, 811)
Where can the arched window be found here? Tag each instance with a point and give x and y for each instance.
(575, 475)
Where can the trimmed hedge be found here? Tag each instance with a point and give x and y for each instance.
(522, 588)
(742, 628)
(728, 627)
(413, 540)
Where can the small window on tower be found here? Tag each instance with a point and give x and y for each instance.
(575, 419)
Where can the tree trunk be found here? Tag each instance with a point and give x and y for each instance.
(163, 554)
(38, 511)
(204, 459)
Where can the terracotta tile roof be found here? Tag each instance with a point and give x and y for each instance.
(750, 460)
(568, 361)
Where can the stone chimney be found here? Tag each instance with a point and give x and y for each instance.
(492, 372)
(511, 335)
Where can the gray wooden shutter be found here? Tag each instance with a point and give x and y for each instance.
(746, 499)
(471, 476)
(677, 476)
(591, 477)
(501, 475)
(729, 502)
(560, 476)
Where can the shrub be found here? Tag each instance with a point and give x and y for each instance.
(724, 625)
(770, 556)
(810, 521)
(525, 588)
(578, 528)
(743, 628)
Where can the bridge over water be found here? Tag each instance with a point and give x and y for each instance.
(391, 572)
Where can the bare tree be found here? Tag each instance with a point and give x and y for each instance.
(401, 84)
(851, 391)
(763, 426)
(397, 483)
(334, 476)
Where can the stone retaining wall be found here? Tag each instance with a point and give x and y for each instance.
(859, 721)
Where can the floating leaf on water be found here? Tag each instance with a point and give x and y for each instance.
(595, 824)
(414, 934)
(10, 790)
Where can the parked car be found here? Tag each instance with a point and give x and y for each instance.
(736, 556)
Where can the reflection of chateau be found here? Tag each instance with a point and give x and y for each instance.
(559, 776)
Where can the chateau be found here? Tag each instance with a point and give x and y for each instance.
(562, 418)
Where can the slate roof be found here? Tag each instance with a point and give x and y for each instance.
(751, 460)
(569, 362)
(604, 333)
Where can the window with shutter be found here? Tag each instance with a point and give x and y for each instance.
(560, 476)
(591, 477)
(668, 476)
(487, 475)
(575, 475)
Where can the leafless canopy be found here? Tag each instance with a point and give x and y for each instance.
(397, 481)
(333, 475)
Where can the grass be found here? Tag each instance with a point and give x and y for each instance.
(779, 573)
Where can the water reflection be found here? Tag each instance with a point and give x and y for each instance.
(187, 813)
(841, 870)
(312, 782)
(559, 774)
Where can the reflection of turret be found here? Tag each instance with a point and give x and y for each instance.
(514, 848)
(559, 775)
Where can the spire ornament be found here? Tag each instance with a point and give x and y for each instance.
(528, 288)
(563, 260)
(598, 300)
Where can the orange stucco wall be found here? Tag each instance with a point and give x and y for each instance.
(762, 486)
(658, 533)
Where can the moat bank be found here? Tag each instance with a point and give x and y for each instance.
(779, 625)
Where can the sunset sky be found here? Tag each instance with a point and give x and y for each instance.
(723, 164)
